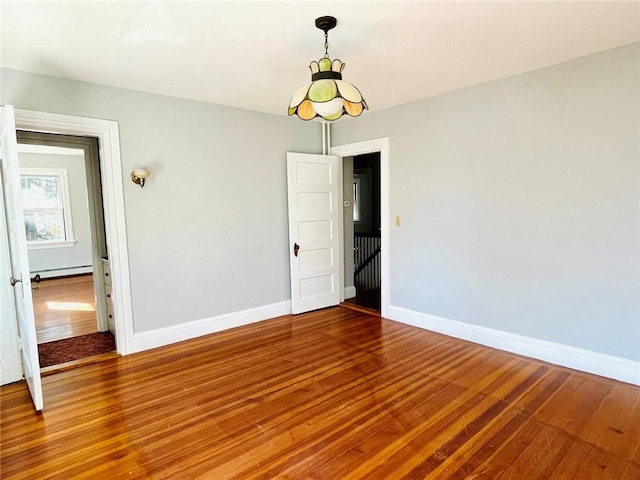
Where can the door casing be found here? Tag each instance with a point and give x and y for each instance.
(107, 133)
(350, 150)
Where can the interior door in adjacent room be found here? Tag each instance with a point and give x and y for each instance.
(314, 237)
(17, 246)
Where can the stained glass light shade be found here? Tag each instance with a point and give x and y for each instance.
(327, 97)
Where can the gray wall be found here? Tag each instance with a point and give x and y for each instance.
(80, 254)
(519, 199)
(208, 233)
(520, 202)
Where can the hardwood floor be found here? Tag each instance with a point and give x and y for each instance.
(334, 394)
(369, 299)
(64, 307)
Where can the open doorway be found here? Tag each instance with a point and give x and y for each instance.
(380, 146)
(64, 222)
(19, 352)
(362, 230)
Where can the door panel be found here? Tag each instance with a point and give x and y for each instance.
(314, 202)
(18, 254)
(313, 221)
(317, 231)
(316, 286)
(320, 258)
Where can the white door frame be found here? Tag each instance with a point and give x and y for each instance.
(113, 199)
(349, 150)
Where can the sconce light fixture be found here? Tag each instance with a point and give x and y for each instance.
(327, 97)
(138, 176)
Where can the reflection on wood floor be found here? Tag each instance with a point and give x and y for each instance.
(64, 307)
(368, 299)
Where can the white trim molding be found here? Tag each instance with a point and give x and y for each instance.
(46, 245)
(197, 328)
(349, 292)
(49, 149)
(106, 131)
(609, 366)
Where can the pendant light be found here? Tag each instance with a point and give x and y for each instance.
(327, 97)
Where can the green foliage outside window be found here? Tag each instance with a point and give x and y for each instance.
(43, 208)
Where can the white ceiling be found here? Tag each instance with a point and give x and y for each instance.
(254, 55)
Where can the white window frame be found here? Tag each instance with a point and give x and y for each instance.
(356, 199)
(63, 183)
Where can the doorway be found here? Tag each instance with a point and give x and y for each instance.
(64, 221)
(380, 149)
(19, 354)
(362, 229)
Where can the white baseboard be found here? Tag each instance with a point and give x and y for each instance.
(588, 361)
(64, 272)
(349, 292)
(197, 328)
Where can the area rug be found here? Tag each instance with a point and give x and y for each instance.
(69, 349)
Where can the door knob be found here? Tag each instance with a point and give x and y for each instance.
(36, 279)
(296, 247)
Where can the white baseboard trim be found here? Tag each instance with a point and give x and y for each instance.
(588, 361)
(349, 292)
(197, 328)
(63, 272)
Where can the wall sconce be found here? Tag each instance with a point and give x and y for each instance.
(138, 176)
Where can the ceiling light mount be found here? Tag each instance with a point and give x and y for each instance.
(326, 23)
(327, 97)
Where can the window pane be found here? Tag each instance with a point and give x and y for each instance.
(44, 225)
(356, 199)
(40, 192)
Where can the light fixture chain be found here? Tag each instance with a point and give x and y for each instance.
(326, 44)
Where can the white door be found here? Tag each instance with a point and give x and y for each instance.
(18, 253)
(313, 231)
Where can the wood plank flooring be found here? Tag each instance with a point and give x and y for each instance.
(335, 395)
(64, 307)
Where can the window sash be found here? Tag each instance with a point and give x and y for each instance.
(51, 222)
(45, 225)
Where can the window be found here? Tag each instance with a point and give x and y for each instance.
(356, 199)
(47, 208)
